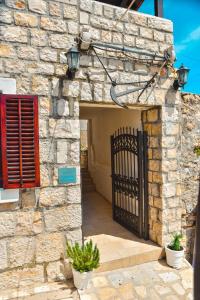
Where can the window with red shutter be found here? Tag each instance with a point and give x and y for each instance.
(19, 141)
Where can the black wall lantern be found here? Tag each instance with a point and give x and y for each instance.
(73, 61)
(182, 76)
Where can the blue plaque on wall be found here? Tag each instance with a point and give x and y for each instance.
(66, 175)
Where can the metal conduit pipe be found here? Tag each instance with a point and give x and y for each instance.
(127, 49)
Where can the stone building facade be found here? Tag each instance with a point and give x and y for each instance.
(190, 165)
(35, 35)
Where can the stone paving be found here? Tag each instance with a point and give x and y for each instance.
(152, 281)
(44, 291)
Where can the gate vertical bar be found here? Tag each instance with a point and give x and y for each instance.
(145, 175)
(140, 181)
(112, 175)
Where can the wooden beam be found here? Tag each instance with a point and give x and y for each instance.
(158, 7)
(136, 5)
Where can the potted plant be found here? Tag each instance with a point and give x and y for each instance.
(84, 259)
(175, 252)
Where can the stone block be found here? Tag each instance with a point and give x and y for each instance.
(7, 224)
(146, 33)
(40, 85)
(157, 177)
(154, 189)
(7, 51)
(45, 175)
(152, 115)
(117, 38)
(55, 271)
(73, 27)
(84, 18)
(172, 128)
(60, 41)
(98, 92)
(14, 66)
(169, 165)
(27, 52)
(21, 277)
(137, 18)
(47, 54)
(17, 4)
(153, 213)
(86, 91)
(53, 24)
(54, 9)
(62, 108)
(29, 223)
(62, 151)
(63, 218)
(157, 153)
(6, 16)
(38, 6)
(161, 24)
(154, 165)
(158, 36)
(14, 34)
(44, 106)
(74, 235)
(62, 128)
(156, 129)
(38, 37)
(21, 251)
(86, 5)
(98, 9)
(75, 152)
(129, 40)
(28, 198)
(169, 142)
(40, 68)
(70, 12)
(172, 153)
(3, 255)
(169, 190)
(43, 133)
(49, 247)
(71, 88)
(27, 20)
(46, 151)
(154, 142)
(74, 194)
(53, 196)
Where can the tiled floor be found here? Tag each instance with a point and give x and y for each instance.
(149, 281)
(118, 247)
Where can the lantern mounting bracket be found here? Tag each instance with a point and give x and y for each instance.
(115, 95)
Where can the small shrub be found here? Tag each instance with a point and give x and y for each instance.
(197, 150)
(84, 258)
(176, 242)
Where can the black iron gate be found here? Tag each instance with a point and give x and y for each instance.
(129, 180)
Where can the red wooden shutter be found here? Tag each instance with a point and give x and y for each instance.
(20, 141)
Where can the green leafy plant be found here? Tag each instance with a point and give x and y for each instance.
(176, 242)
(197, 150)
(84, 258)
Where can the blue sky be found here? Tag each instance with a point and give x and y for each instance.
(185, 14)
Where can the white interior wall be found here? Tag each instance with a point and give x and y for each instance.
(102, 124)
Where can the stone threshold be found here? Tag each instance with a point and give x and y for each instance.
(118, 247)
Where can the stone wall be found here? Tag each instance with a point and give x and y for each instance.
(190, 166)
(34, 37)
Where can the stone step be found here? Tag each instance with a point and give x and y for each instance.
(137, 257)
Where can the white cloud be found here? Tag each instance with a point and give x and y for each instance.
(193, 36)
(180, 47)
